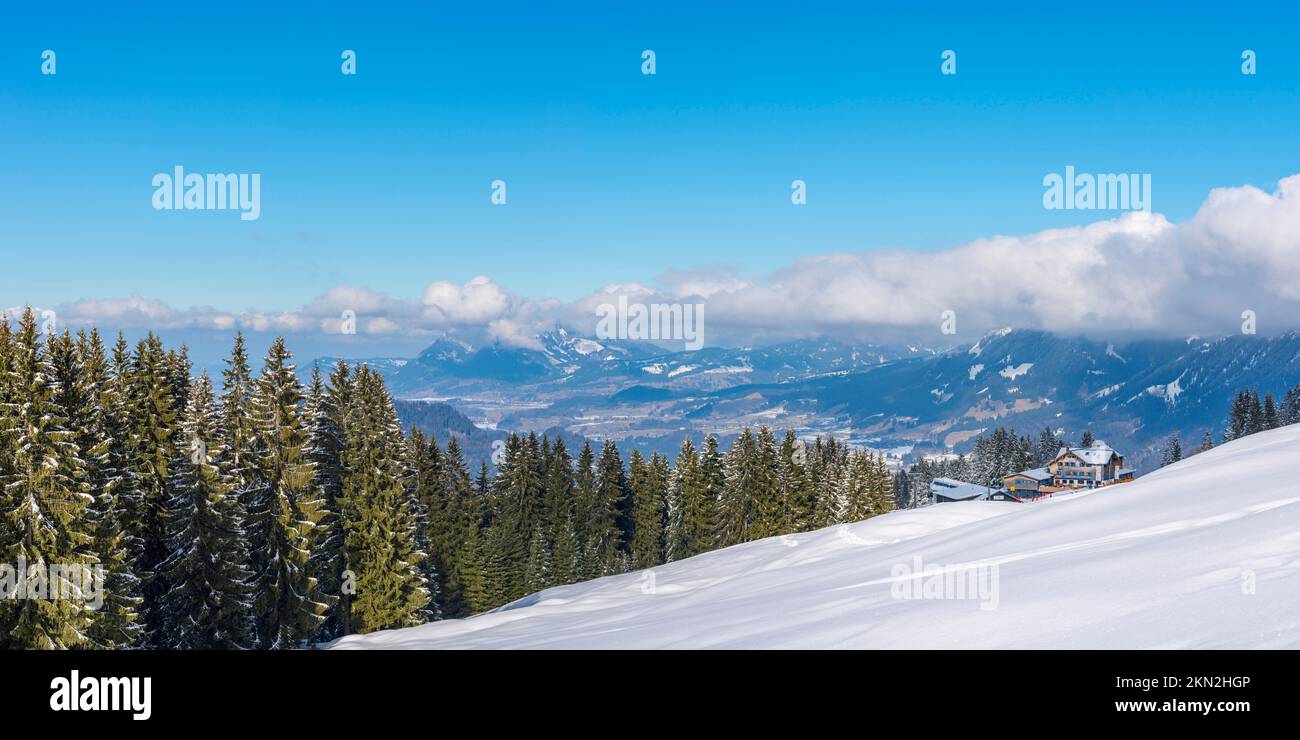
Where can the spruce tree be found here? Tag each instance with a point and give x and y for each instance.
(662, 474)
(1022, 456)
(689, 512)
(380, 528)
(794, 486)
(517, 490)
(816, 466)
(1290, 413)
(427, 512)
(179, 369)
(500, 564)
(832, 494)
(770, 513)
(114, 486)
(880, 492)
(647, 511)
(901, 490)
(1255, 417)
(606, 530)
(1046, 450)
(326, 412)
(237, 431)
(463, 514)
(539, 570)
(584, 504)
(96, 419)
(918, 482)
(736, 505)
(1173, 451)
(8, 437)
(284, 509)
(855, 494)
(153, 433)
(712, 470)
(43, 505)
(559, 514)
(475, 592)
(209, 605)
(1238, 417)
(8, 397)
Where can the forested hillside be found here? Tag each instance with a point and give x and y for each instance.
(258, 511)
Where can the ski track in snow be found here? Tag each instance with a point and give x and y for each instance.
(1202, 554)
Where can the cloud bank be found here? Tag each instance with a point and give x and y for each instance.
(1134, 274)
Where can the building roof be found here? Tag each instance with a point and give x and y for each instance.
(1038, 474)
(957, 490)
(1098, 453)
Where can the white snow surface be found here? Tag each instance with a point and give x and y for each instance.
(1011, 373)
(1170, 391)
(1204, 553)
(587, 347)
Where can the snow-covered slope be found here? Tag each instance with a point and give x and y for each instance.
(1202, 554)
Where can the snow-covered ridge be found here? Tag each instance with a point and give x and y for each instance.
(1202, 554)
(977, 348)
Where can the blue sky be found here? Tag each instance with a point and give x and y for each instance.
(382, 180)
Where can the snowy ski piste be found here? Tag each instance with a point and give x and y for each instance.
(1204, 553)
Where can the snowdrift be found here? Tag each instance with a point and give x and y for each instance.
(1202, 554)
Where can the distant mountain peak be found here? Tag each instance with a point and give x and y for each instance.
(446, 348)
(978, 346)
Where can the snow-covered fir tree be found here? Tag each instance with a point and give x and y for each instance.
(116, 623)
(284, 508)
(380, 536)
(209, 603)
(44, 497)
(153, 442)
(648, 504)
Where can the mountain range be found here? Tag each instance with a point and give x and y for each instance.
(905, 400)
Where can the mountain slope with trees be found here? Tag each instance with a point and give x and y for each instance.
(274, 513)
(1173, 560)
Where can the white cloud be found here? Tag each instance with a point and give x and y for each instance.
(1134, 273)
(1245, 226)
(349, 298)
(135, 311)
(514, 333)
(701, 283)
(288, 322)
(478, 301)
(382, 325)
